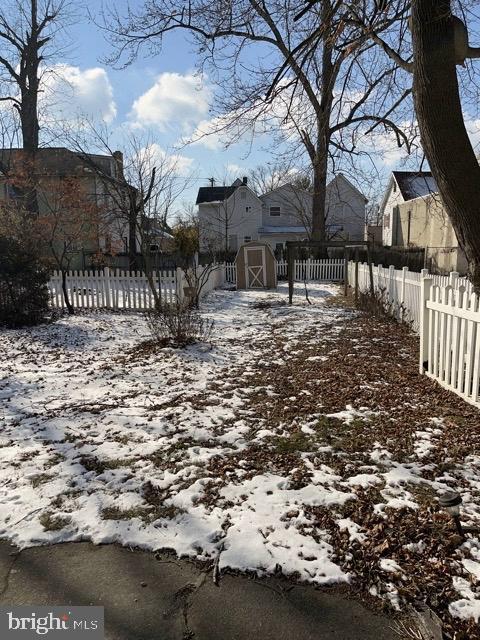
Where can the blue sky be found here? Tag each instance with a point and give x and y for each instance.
(161, 96)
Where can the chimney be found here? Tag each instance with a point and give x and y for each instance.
(245, 180)
(118, 158)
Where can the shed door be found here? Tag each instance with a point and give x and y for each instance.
(255, 267)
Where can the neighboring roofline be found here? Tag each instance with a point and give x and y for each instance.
(412, 174)
(425, 197)
(282, 230)
(247, 187)
(230, 196)
(387, 192)
(286, 184)
(350, 184)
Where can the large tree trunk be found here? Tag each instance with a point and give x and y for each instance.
(320, 164)
(442, 127)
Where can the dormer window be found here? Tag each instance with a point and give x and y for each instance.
(275, 211)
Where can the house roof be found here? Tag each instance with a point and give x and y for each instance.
(214, 194)
(350, 184)
(59, 161)
(415, 184)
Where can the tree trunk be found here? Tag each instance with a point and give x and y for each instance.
(320, 161)
(319, 193)
(132, 230)
(442, 127)
(68, 304)
(132, 237)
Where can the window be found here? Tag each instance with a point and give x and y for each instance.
(248, 209)
(275, 211)
(154, 248)
(247, 239)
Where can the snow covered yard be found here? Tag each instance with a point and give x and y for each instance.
(302, 441)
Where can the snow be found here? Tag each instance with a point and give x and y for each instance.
(102, 441)
(468, 606)
(86, 424)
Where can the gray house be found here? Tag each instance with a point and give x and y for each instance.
(230, 216)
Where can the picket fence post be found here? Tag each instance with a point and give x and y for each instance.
(402, 288)
(179, 284)
(426, 288)
(107, 285)
(391, 282)
(453, 279)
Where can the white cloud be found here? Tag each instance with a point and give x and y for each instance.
(70, 92)
(473, 129)
(165, 162)
(236, 169)
(174, 99)
(208, 134)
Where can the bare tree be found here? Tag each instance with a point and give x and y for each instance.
(439, 43)
(27, 31)
(141, 193)
(68, 221)
(317, 80)
(27, 28)
(265, 178)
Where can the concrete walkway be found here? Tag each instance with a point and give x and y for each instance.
(148, 597)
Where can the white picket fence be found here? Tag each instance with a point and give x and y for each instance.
(310, 270)
(331, 270)
(118, 289)
(450, 338)
(112, 289)
(402, 288)
(444, 311)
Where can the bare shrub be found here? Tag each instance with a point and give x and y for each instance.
(377, 304)
(178, 325)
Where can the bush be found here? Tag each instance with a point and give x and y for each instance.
(178, 325)
(23, 286)
(379, 305)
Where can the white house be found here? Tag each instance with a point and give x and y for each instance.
(402, 187)
(232, 215)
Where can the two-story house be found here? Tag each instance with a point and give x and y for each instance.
(230, 216)
(414, 217)
(402, 187)
(78, 197)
